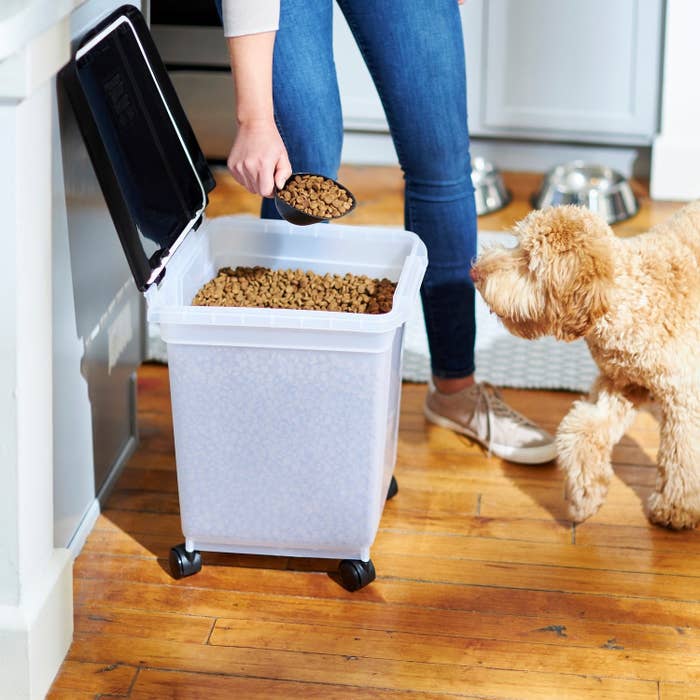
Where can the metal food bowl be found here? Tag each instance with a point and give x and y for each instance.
(490, 193)
(601, 189)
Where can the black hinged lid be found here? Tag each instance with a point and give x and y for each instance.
(152, 172)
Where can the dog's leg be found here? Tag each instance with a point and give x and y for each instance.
(676, 501)
(585, 439)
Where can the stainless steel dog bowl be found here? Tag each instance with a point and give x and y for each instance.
(601, 189)
(490, 193)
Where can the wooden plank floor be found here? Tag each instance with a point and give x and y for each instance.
(484, 588)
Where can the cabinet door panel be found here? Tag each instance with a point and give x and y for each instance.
(362, 108)
(571, 66)
(360, 102)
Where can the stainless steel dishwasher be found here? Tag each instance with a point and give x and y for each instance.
(98, 326)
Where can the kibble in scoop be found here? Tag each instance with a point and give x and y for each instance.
(317, 196)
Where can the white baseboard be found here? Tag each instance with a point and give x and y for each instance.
(376, 148)
(35, 635)
(675, 170)
(77, 542)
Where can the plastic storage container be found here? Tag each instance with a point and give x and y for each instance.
(285, 421)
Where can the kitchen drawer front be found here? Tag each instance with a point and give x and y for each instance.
(191, 45)
(208, 100)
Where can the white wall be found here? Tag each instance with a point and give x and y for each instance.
(35, 579)
(675, 169)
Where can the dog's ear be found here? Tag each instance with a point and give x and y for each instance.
(581, 294)
(570, 252)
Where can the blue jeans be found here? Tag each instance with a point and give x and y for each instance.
(415, 54)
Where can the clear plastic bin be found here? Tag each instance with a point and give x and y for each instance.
(285, 421)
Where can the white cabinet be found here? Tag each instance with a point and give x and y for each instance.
(362, 109)
(542, 69)
(588, 69)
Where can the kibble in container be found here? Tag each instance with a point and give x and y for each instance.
(285, 420)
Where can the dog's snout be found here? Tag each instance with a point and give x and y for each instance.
(474, 274)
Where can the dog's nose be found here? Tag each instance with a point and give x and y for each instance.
(474, 273)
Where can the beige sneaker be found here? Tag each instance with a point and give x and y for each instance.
(482, 415)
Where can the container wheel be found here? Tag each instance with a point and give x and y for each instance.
(356, 574)
(393, 489)
(184, 563)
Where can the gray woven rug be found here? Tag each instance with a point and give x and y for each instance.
(501, 358)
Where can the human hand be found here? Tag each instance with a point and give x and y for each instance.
(258, 158)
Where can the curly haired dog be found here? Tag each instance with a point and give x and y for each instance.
(636, 301)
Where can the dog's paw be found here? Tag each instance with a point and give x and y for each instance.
(678, 514)
(584, 498)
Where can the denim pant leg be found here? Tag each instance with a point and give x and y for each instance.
(415, 53)
(305, 90)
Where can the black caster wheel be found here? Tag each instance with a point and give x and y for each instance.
(393, 489)
(356, 574)
(184, 563)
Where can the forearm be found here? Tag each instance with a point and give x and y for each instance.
(251, 66)
(258, 158)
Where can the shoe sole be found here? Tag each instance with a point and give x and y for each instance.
(521, 455)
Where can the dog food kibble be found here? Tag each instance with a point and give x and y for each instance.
(294, 289)
(317, 196)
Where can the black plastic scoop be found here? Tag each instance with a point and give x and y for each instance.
(301, 218)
